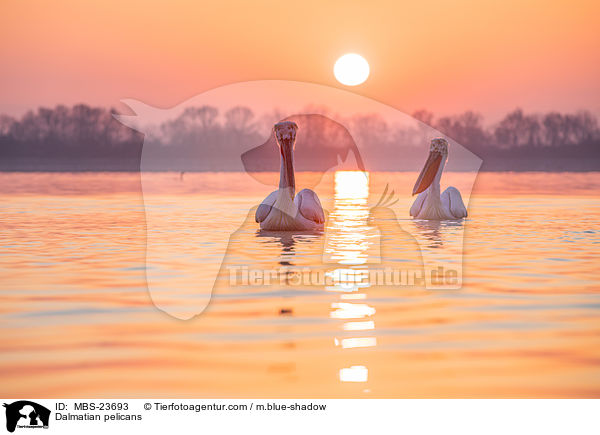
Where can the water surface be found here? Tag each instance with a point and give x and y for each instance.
(77, 319)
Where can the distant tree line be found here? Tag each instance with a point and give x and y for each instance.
(517, 129)
(68, 138)
(90, 138)
(521, 141)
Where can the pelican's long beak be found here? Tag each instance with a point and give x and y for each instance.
(428, 173)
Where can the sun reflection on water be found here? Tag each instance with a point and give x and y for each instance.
(349, 241)
(348, 232)
(354, 374)
(344, 310)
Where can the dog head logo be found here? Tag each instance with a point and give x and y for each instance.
(26, 414)
(221, 144)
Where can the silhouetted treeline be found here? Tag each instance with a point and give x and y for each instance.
(89, 138)
(520, 141)
(68, 139)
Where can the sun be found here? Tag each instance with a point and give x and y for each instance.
(351, 69)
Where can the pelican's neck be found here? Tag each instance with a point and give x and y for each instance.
(287, 181)
(287, 186)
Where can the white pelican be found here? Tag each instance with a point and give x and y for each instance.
(430, 204)
(280, 211)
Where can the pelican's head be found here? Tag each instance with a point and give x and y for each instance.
(439, 145)
(285, 133)
(438, 152)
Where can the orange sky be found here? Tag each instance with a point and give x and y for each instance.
(447, 56)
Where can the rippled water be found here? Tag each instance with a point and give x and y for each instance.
(77, 319)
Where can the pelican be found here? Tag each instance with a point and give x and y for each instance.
(280, 211)
(430, 204)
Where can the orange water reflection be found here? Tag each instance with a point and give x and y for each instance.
(77, 320)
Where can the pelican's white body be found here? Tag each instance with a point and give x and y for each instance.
(287, 214)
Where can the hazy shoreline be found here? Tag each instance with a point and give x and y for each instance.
(240, 184)
(110, 165)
